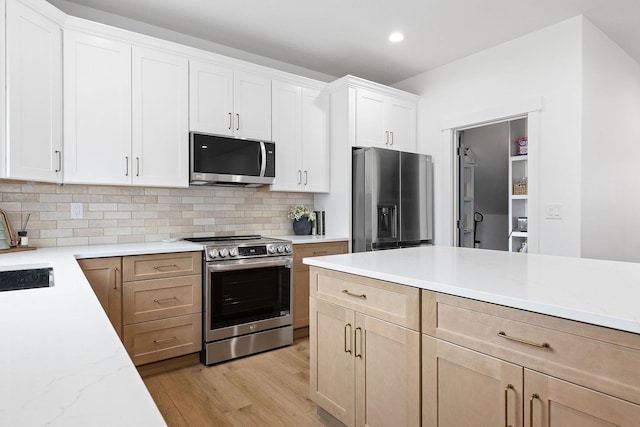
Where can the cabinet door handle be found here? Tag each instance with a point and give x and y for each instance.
(359, 353)
(237, 121)
(230, 120)
(502, 334)
(299, 177)
(59, 158)
(137, 166)
(533, 396)
(391, 133)
(347, 338)
(164, 300)
(387, 141)
(165, 340)
(115, 278)
(127, 166)
(305, 177)
(506, 406)
(351, 294)
(159, 267)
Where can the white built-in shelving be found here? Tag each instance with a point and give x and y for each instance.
(518, 177)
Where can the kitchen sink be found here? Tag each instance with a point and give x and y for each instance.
(26, 278)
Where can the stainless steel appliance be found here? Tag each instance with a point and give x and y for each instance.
(222, 160)
(392, 199)
(246, 296)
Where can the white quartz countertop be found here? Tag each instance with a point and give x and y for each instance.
(298, 240)
(604, 293)
(61, 362)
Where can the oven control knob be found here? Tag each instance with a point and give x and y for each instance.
(272, 249)
(287, 249)
(280, 249)
(223, 252)
(213, 253)
(233, 251)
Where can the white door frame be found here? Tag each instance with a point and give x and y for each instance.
(529, 108)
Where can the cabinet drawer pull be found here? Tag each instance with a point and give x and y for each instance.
(164, 300)
(347, 338)
(351, 294)
(159, 267)
(165, 340)
(533, 396)
(520, 340)
(358, 353)
(320, 252)
(506, 404)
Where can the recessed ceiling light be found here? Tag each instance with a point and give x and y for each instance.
(396, 37)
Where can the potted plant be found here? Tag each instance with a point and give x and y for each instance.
(302, 218)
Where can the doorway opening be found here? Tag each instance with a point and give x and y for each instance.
(492, 185)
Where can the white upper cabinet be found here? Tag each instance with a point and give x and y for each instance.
(97, 107)
(228, 102)
(126, 113)
(34, 95)
(385, 121)
(252, 106)
(368, 114)
(211, 98)
(315, 140)
(160, 112)
(301, 133)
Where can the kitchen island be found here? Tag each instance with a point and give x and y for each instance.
(461, 335)
(61, 362)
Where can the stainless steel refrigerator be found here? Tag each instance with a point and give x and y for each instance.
(392, 199)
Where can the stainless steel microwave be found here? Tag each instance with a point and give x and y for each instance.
(223, 160)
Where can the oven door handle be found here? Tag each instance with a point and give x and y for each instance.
(248, 264)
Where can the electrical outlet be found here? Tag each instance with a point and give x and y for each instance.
(76, 210)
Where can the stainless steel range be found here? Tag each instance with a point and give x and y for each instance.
(246, 296)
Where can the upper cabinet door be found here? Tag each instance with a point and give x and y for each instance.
(211, 98)
(400, 119)
(370, 124)
(97, 105)
(315, 139)
(252, 104)
(34, 91)
(160, 104)
(287, 129)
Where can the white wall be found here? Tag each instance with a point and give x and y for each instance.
(546, 63)
(611, 150)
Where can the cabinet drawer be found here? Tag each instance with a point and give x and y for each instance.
(162, 339)
(384, 300)
(161, 298)
(141, 267)
(318, 249)
(593, 356)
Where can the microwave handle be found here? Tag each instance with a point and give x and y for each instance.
(263, 156)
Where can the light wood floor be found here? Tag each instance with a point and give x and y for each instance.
(266, 389)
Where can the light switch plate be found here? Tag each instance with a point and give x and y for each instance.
(76, 211)
(553, 211)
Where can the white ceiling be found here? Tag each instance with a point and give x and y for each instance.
(339, 37)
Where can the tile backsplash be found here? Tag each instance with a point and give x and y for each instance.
(144, 214)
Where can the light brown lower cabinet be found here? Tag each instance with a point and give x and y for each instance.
(364, 370)
(464, 387)
(489, 365)
(105, 277)
(157, 308)
(301, 276)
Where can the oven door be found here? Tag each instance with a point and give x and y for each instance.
(246, 296)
